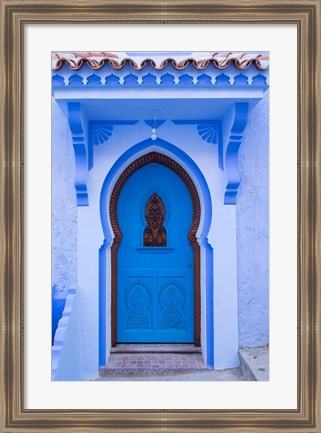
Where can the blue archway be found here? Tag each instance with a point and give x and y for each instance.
(190, 166)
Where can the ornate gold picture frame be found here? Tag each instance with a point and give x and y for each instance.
(15, 14)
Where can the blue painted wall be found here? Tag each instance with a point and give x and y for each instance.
(64, 216)
(252, 230)
(64, 210)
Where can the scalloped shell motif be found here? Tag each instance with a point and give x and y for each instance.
(102, 134)
(208, 133)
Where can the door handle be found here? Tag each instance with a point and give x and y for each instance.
(190, 265)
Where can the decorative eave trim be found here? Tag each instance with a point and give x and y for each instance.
(78, 141)
(231, 156)
(112, 81)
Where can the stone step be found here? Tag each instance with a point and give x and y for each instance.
(151, 363)
(155, 348)
(255, 363)
(232, 374)
(130, 373)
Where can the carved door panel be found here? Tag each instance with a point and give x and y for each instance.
(155, 293)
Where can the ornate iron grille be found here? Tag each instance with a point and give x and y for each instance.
(155, 234)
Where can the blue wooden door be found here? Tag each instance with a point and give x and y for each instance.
(155, 293)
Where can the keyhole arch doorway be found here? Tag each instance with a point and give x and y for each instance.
(164, 160)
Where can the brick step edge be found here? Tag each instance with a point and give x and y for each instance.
(148, 371)
(155, 352)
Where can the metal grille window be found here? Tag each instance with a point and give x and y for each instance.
(155, 234)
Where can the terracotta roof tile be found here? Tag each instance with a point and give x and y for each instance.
(118, 60)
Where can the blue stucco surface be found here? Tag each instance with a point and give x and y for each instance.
(252, 230)
(64, 210)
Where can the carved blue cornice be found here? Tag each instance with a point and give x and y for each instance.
(78, 141)
(241, 112)
(222, 81)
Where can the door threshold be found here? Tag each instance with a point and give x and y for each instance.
(155, 348)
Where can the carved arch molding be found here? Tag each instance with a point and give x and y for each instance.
(179, 170)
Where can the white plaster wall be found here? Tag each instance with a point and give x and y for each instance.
(252, 230)
(64, 210)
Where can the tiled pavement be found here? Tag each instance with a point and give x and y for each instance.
(159, 362)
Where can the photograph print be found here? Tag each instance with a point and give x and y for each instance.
(160, 216)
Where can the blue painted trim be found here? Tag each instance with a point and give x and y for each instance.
(102, 305)
(167, 80)
(186, 80)
(94, 81)
(90, 146)
(149, 80)
(204, 80)
(259, 81)
(78, 140)
(241, 80)
(222, 81)
(231, 156)
(220, 146)
(130, 80)
(209, 305)
(157, 124)
(112, 80)
(58, 81)
(193, 122)
(76, 80)
(153, 250)
(113, 122)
